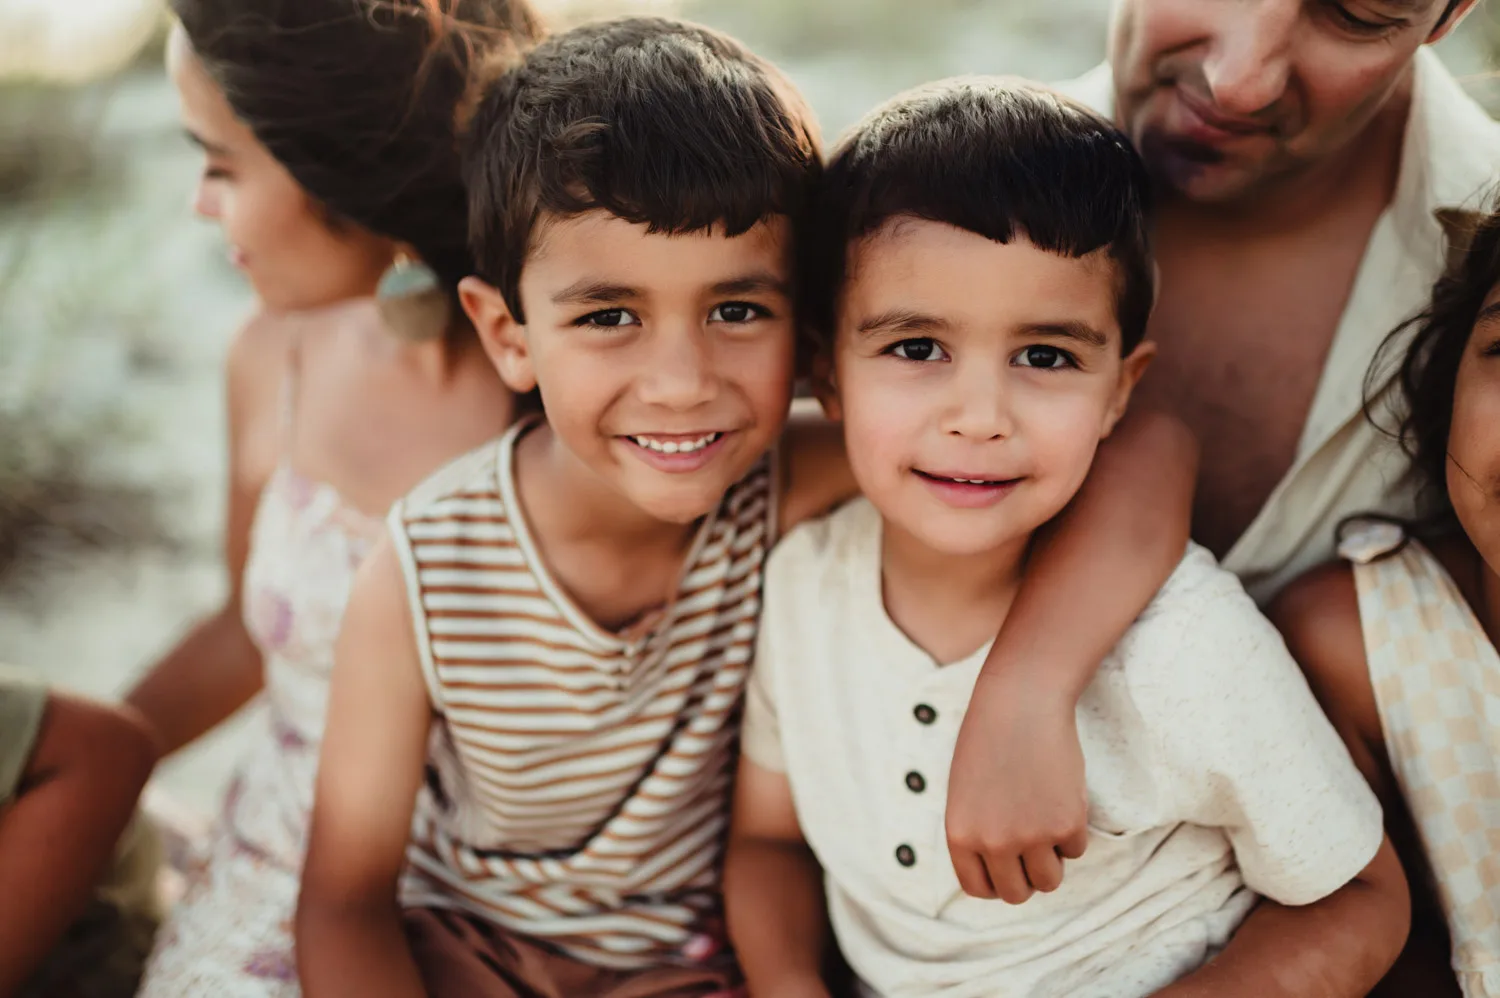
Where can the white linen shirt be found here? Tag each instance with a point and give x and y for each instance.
(1211, 774)
(1344, 465)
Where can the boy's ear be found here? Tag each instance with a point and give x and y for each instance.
(825, 386)
(1131, 370)
(503, 338)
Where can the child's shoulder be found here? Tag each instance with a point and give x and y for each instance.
(833, 539)
(469, 477)
(1201, 620)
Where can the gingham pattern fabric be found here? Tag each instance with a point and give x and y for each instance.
(1437, 682)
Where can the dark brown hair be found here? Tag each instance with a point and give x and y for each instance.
(1415, 403)
(658, 122)
(359, 99)
(999, 158)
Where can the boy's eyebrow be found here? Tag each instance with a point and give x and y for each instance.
(589, 291)
(902, 320)
(1070, 330)
(758, 282)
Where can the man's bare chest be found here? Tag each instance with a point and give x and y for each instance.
(1243, 345)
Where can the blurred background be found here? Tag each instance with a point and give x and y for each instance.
(116, 304)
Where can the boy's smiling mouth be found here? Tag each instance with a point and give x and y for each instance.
(676, 443)
(966, 490)
(677, 453)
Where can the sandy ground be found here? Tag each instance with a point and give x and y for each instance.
(93, 624)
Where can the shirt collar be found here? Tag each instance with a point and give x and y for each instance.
(1448, 159)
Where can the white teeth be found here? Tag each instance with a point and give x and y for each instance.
(676, 446)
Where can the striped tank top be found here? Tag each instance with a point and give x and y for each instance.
(577, 782)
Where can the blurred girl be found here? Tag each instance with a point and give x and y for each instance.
(328, 130)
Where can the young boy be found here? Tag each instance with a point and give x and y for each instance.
(548, 655)
(981, 330)
(72, 922)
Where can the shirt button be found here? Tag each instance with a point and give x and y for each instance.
(915, 783)
(905, 856)
(925, 714)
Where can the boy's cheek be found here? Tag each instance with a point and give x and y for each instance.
(881, 429)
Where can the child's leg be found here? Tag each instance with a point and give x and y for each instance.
(460, 956)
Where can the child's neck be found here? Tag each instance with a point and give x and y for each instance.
(620, 565)
(949, 605)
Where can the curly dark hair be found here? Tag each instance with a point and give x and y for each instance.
(1423, 383)
(360, 100)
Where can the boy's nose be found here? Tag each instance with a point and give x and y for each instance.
(679, 372)
(979, 408)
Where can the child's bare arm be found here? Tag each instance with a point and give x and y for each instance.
(773, 891)
(1318, 615)
(349, 933)
(76, 795)
(1016, 796)
(1339, 946)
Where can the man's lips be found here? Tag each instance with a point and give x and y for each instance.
(1207, 122)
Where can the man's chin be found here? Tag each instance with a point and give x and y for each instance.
(1192, 171)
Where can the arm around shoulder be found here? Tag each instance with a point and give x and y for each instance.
(350, 939)
(1109, 552)
(814, 469)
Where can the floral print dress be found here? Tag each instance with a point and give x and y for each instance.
(232, 935)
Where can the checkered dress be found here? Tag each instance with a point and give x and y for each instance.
(1437, 682)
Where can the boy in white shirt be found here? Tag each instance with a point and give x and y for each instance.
(979, 285)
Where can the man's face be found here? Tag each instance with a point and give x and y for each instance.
(1226, 97)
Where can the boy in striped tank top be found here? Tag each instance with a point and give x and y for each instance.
(536, 698)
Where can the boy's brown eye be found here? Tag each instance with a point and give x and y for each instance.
(609, 318)
(735, 312)
(918, 349)
(1045, 357)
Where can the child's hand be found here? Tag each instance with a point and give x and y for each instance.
(1017, 804)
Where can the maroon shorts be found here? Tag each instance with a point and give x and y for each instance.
(461, 956)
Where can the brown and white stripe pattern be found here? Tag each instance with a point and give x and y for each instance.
(578, 783)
